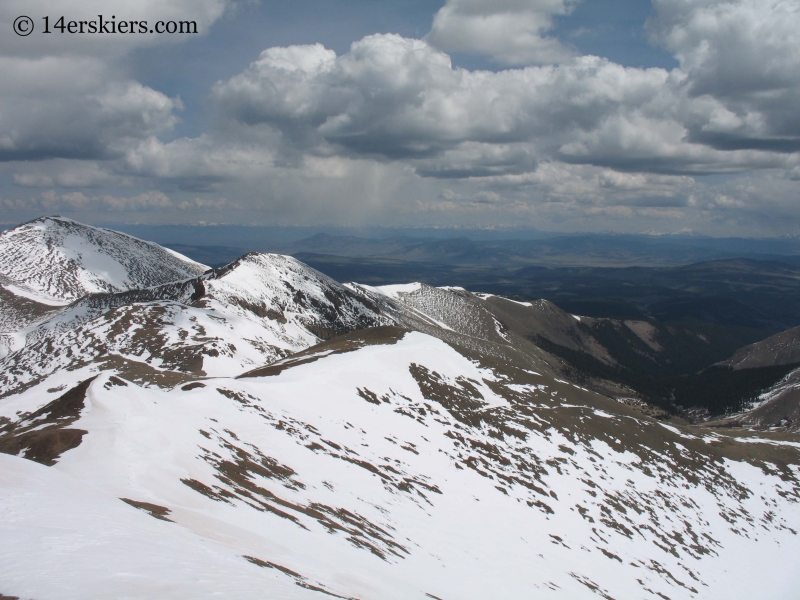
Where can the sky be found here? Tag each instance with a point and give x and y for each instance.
(558, 115)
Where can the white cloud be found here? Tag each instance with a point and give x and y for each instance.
(51, 201)
(392, 98)
(68, 95)
(744, 54)
(487, 198)
(510, 32)
(82, 113)
(64, 174)
(588, 185)
(661, 213)
(196, 163)
(391, 130)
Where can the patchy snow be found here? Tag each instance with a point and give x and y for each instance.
(393, 465)
(677, 431)
(528, 304)
(260, 309)
(23, 292)
(604, 414)
(99, 271)
(526, 388)
(758, 440)
(390, 471)
(64, 260)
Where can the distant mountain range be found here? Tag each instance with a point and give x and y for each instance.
(588, 250)
(259, 429)
(732, 282)
(218, 245)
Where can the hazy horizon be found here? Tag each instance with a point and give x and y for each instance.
(488, 231)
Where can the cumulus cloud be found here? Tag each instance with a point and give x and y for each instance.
(589, 185)
(68, 96)
(509, 32)
(196, 164)
(744, 54)
(765, 197)
(73, 109)
(475, 159)
(391, 129)
(485, 197)
(392, 98)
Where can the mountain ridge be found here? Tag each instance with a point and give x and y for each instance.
(54, 261)
(294, 436)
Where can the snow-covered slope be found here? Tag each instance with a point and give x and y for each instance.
(453, 315)
(293, 294)
(56, 260)
(494, 318)
(451, 308)
(258, 309)
(385, 464)
(262, 431)
(778, 406)
(21, 307)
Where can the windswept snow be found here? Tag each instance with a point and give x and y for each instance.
(89, 544)
(394, 291)
(257, 310)
(61, 259)
(24, 292)
(262, 431)
(397, 470)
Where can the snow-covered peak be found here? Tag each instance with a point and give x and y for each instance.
(399, 290)
(285, 290)
(60, 259)
(261, 276)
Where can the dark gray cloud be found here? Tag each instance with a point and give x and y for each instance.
(88, 119)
